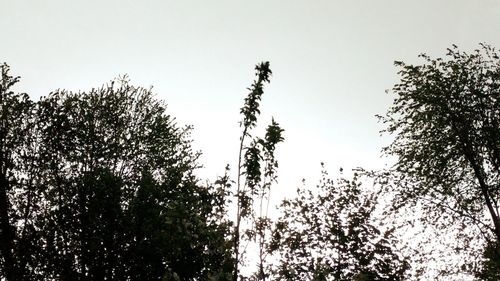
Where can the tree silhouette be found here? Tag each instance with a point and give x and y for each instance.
(445, 118)
(18, 171)
(329, 233)
(256, 173)
(99, 185)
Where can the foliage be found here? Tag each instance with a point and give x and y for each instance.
(18, 169)
(491, 264)
(437, 242)
(445, 118)
(257, 165)
(329, 234)
(108, 192)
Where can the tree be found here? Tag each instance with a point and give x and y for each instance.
(18, 169)
(100, 185)
(446, 121)
(256, 173)
(330, 233)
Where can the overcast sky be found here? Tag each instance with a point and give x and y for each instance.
(331, 63)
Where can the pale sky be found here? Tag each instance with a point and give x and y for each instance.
(331, 60)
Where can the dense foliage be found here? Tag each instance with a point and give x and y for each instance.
(101, 185)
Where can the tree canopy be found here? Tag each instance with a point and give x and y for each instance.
(99, 185)
(446, 121)
(330, 233)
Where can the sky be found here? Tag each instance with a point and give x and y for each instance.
(331, 60)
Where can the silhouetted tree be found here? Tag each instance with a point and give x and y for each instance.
(446, 122)
(329, 233)
(99, 185)
(18, 173)
(256, 173)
